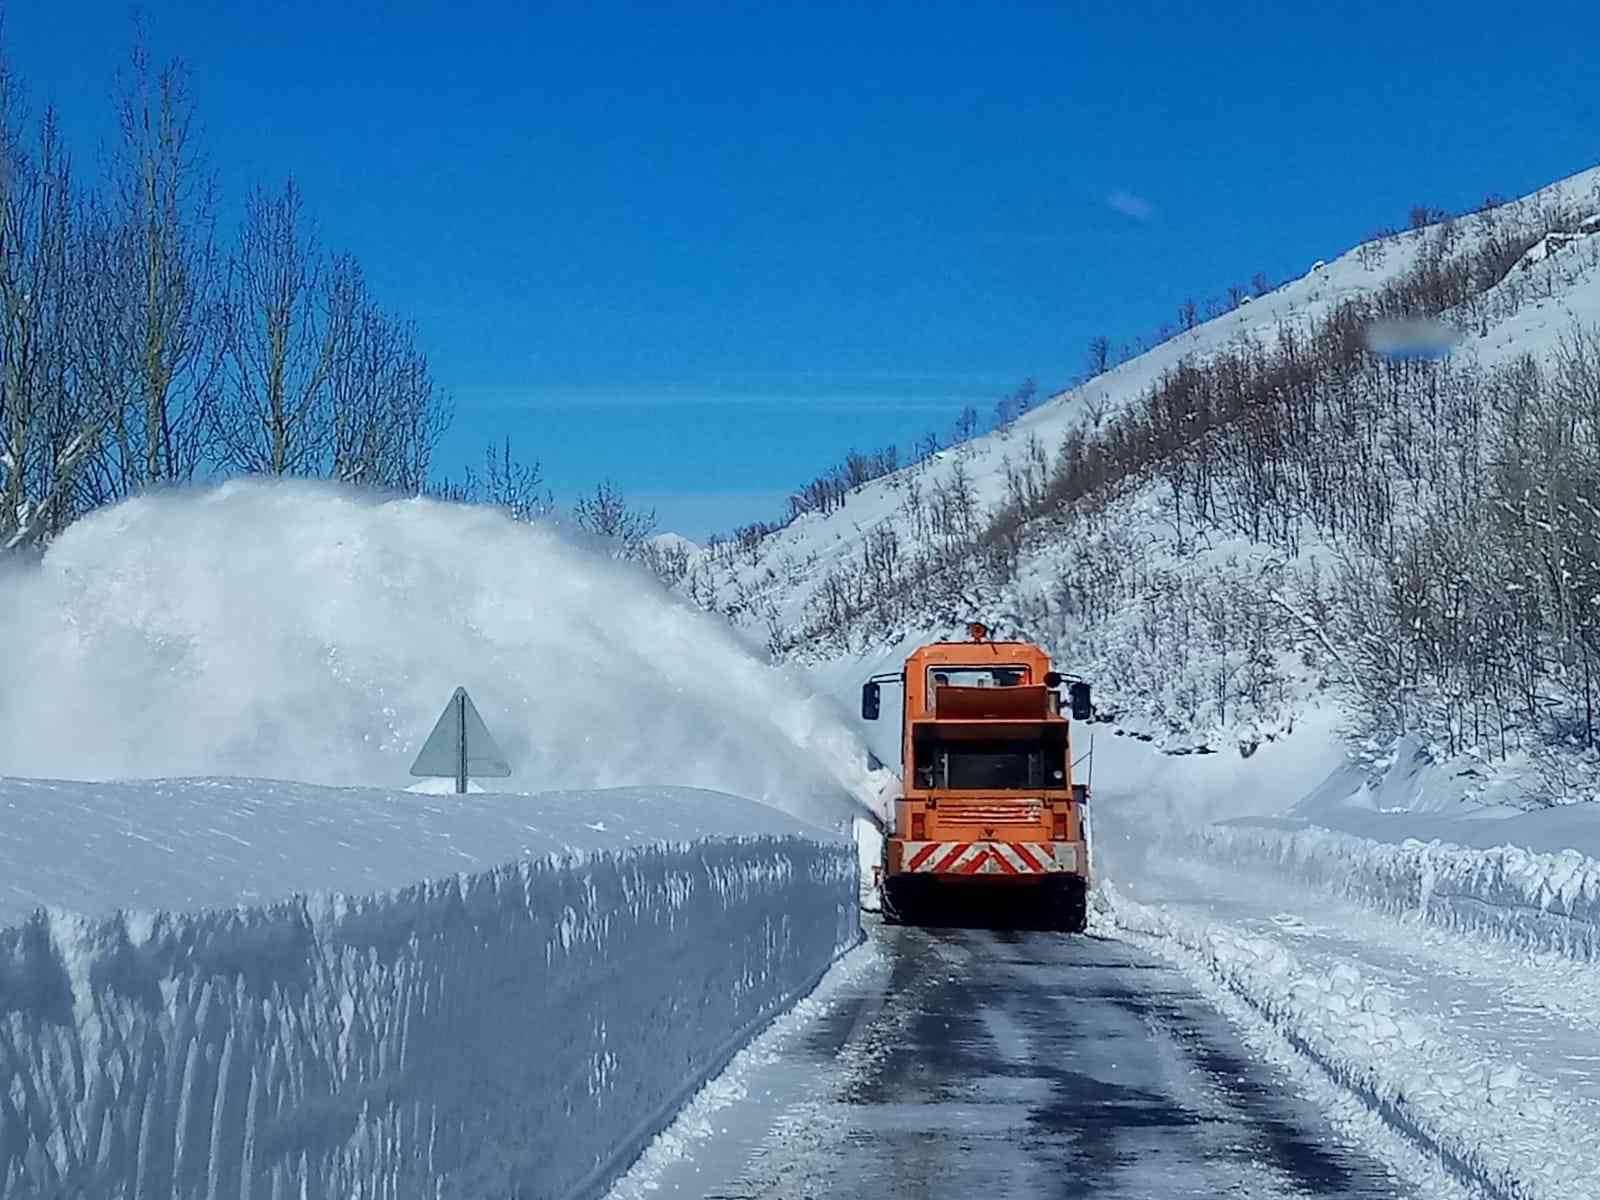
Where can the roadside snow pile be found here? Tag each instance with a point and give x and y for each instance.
(1495, 1129)
(183, 845)
(520, 1028)
(1548, 902)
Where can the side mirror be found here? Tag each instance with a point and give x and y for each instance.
(1082, 709)
(871, 701)
(1052, 679)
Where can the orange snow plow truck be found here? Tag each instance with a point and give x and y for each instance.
(989, 820)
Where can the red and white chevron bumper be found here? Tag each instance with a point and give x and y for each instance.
(988, 858)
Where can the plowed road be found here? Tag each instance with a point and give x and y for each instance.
(991, 1066)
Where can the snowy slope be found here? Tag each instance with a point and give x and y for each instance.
(773, 585)
(1446, 1056)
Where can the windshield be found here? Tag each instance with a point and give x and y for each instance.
(1007, 676)
(990, 765)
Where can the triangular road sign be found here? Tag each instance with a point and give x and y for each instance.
(460, 746)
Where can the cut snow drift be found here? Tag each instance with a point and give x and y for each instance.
(1548, 902)
(184, 845)
(515, 1029)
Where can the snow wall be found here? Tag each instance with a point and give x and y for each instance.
(519, 1031)
(1548, 902)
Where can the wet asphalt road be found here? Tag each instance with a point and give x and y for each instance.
(984, 1064)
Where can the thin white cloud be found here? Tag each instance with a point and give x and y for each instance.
(912, 398)
(1130, 205)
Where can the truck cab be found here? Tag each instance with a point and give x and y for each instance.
(989, 814)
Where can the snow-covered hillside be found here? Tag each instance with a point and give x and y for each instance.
(1212, 628)
(777, 581)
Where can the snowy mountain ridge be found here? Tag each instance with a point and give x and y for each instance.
(1205, 622)
(773, 583)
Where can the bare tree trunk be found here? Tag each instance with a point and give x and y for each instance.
(46, 431)
(164, 215)
(279, 348)
(386, 412)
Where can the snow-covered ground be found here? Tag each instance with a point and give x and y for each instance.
(715, 1129)
(1447, 989)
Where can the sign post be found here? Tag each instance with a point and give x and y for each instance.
(461, 746)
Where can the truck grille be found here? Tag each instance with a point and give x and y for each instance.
(991, 812)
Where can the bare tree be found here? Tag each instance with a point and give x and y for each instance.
(1423, 215)
(280, 348)
(1099, 355)
(385, 410)
(47, 431)
(516, 486)
(1011, 406)
(506, 483)
(168, 276)
(1026, 395)
(607, 515)
(966, 426)
(129, 358)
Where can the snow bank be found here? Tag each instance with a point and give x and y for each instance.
(1547, 902)
(520, 1029)
(296, 630)
(1492, 1128)
(182, 845)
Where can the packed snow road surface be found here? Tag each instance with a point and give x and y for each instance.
(968, 1063)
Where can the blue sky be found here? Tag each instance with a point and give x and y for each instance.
(703, 249)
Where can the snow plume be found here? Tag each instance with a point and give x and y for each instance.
(297, 630)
